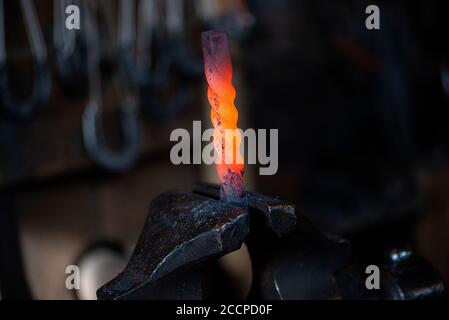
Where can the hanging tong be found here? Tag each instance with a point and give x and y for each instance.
(94, 140)
(13, 106)
(185, 63)
(71, 50)
(156, 69)
(136, 46)
(142, 70)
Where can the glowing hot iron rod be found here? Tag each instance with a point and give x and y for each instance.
(224, 115)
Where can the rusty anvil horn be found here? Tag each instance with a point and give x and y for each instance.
(183, 229)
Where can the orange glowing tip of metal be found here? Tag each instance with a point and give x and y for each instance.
(224, 115)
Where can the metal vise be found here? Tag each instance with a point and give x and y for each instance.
(185, 233)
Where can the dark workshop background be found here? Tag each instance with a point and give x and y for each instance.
(362, 118)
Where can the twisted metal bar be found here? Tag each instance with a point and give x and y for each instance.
(224, 115)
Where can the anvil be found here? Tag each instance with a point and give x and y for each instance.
(185, 233)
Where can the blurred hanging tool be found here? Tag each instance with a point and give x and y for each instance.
(11, 105)
(233, 16)
(70, 50)
(161, 67)
(149, 43)
(94, 140)
(177, 93)
(136, 47)
(184, 60)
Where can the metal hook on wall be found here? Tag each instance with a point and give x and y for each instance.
(93, 134)
(70, 50)
(185, 62)
(25, 108)
(136, 46)
(154, 66)
(94, 141)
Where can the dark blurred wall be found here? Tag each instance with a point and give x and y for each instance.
(361, 114)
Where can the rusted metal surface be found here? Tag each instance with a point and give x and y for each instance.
(279, 216)
(291, 258)
(184, 229)
(181, 229)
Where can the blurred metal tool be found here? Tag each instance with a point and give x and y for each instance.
(293, 259)
(177, 93)
(94, 141)
(313, 265)
(13, 106)
(70, 50)
(137, 47)
(150, 59)
(147, 41)
(184, 60)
